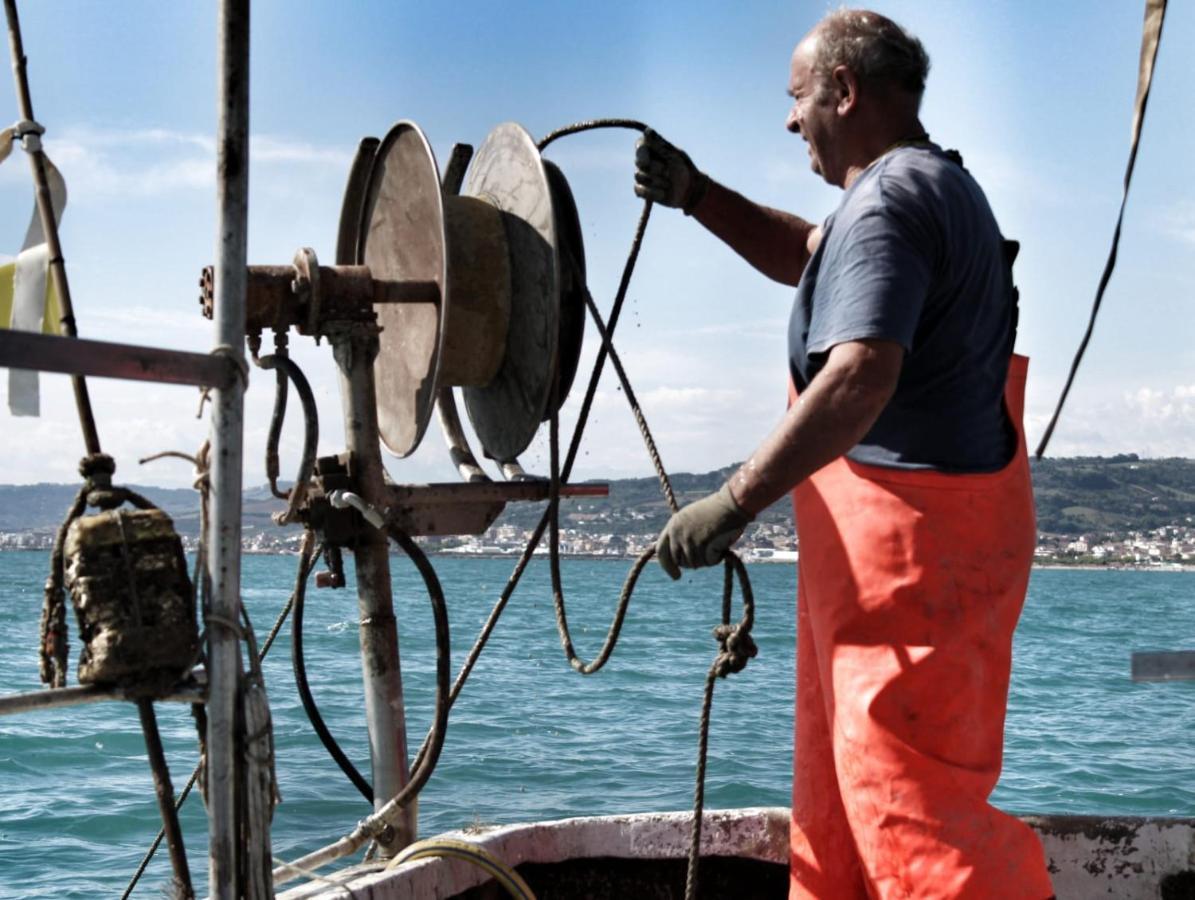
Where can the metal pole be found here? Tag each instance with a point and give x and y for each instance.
(165, 793)
(50, 353)
(355, 347)
(56, 698)
(224, 537)
(49, 227)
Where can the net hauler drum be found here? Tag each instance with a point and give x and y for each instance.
(502, 272)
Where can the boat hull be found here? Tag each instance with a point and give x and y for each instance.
(745, 855)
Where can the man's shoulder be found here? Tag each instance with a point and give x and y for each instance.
(920, 183)
(919, 174)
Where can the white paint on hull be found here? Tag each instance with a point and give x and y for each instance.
(1125, 858)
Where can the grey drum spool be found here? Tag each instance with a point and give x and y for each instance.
(497, 329)
(409, 231)
(573, 285)
(508, 173)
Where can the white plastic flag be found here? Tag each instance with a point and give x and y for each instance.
(26, 302)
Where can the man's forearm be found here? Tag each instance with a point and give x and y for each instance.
(831, 416)
(774, 242)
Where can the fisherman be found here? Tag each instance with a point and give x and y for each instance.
(903, 449)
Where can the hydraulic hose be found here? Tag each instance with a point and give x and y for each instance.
(378, 823)
(299, 664)
(286, 366)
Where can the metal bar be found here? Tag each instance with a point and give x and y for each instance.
(355, 346)
(50, 353)
(165, 793)
(11, 704)
(224, 537)
(484, 492)
(1176, 665)
(45, 211)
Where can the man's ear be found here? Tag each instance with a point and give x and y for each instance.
(846, 89)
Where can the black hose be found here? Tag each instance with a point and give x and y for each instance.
(281, 387)
(433, 743)
(309, 705)
(284, 364)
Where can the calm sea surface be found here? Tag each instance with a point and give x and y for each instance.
(531, 739)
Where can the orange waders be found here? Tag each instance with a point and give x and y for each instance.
(910, 584)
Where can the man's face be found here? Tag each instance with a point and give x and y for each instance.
(813, 115)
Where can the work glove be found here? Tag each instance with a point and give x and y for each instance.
(700, 534)
(664, 174)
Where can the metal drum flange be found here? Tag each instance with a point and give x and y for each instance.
(573, 284)
(508, 173)
(402, 238)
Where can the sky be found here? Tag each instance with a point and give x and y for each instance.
(1037, 96)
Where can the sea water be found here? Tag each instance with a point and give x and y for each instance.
(529, 738)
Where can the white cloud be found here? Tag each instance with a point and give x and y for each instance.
(1147, 419)
(142, 137)
(267, 148)
(150, 162)
(1178, 223)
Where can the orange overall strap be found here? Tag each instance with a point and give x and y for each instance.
(910, 585)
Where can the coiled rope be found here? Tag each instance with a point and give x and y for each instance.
(736, 646)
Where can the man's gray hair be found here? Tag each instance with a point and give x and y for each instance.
(872, 46)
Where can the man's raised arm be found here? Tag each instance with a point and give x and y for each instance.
(776, 243)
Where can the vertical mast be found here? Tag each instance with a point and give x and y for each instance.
(224, 538)
(49, 226)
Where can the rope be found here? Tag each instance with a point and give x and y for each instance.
(186, 791)
(1155, 14)
(574, 444)
(505, 875)
(323, 879)
(735, 643)
(590, 125)
(235, 357)
(736, 647)
(53, 649)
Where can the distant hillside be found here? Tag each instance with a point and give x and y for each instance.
(1074, 496)
(1118, 493)
(42, 507)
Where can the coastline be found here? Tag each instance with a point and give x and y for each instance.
(448, 554)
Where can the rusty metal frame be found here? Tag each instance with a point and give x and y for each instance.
(29, 701)
(75, 356)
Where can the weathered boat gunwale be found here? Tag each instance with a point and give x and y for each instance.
(1130, 858)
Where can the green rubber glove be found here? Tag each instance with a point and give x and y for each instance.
(700, 534)
(664, 174)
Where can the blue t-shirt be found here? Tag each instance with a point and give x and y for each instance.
(913, 255)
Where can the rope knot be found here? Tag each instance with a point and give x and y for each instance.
(737, 649)
(237, 358)
(97, 469)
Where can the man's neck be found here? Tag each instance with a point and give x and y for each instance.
(880, 142)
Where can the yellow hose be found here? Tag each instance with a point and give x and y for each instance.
(449, 848)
